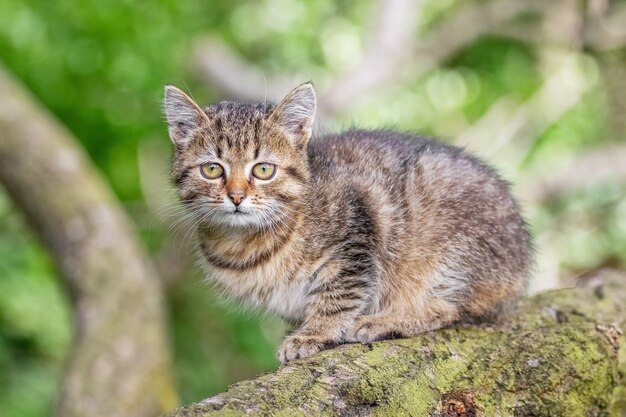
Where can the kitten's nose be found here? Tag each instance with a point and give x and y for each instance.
(236, 197)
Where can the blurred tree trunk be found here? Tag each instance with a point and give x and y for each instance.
(613, 70)
(557, 355)
(119, 364)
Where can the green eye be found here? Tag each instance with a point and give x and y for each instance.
(211, 170)
(264, 171)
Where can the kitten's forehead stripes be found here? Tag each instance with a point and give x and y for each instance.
(238, 125)
(257, 138)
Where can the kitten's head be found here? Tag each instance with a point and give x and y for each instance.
(241, 164)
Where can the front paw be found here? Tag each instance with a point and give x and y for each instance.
(298, 346)
(368, 330)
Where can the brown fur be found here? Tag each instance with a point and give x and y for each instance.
(359, 236)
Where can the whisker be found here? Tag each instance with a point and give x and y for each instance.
(193, 228)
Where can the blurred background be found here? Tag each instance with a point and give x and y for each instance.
(537, 88)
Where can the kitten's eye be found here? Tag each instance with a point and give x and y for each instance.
(264, 171)
(211, 170)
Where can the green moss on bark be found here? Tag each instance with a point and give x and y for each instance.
(557, 355)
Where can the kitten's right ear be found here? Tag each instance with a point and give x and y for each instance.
(183, 115)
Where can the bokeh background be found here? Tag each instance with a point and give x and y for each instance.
(536, 88)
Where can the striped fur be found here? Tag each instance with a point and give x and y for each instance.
(359, 236)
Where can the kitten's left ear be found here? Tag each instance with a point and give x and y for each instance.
(183, 115)
(295, 113)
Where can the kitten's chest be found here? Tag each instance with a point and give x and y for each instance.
(277, 286)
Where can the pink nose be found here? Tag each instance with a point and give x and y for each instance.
(236, 197)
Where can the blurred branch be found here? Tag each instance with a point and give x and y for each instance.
(580, 172)
(505, 124)
(522, 366)
(392, 38)
(119, 364)
(613, 71)
(598, 29)
(607, 32)
(232, 76)
(393, 52)
(461, 28)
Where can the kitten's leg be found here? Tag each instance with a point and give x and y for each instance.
(390, 325)
(340, 295)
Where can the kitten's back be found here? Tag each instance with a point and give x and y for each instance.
(440, 214)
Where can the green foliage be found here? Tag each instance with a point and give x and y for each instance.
(215, 344)
(100, 66)
(34, 321)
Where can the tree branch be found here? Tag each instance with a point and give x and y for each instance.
(556, 356)
(119, 363)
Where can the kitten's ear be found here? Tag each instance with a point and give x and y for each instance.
(294, 114)
(183, 115)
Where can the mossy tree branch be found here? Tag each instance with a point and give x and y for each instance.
(557, 355)
(119, 363)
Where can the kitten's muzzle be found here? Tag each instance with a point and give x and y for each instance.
(236, 197)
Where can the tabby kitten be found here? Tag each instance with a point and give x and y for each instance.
(352, 237)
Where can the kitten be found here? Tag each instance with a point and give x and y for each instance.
(353, 237)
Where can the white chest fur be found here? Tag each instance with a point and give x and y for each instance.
(290, 301)
(268, 288)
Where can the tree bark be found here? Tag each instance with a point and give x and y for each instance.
(119, 365)
(556, 355)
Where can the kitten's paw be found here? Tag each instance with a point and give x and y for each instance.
(368, 330)
(297, 346)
